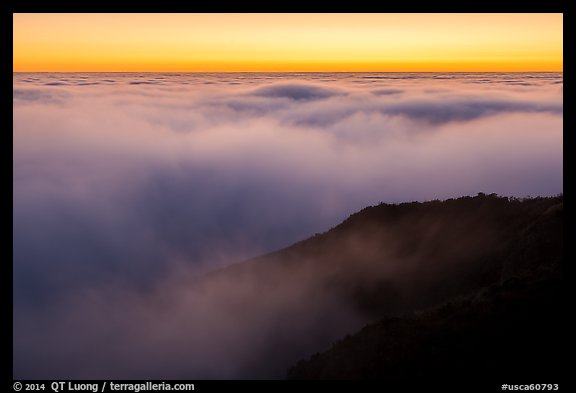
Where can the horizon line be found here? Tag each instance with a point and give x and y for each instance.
(291, 72)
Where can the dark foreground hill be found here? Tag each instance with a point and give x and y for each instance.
(512, 329)
(496, 259)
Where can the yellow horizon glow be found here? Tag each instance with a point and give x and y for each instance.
(287, 42)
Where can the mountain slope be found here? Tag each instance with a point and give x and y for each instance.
(513, 328)
(386, 260)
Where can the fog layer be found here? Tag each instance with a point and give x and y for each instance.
(129, 186)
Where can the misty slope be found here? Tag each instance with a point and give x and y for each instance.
(384, 260)
(513, 328)
(393, 258)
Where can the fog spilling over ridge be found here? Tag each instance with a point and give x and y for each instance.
(129, 187)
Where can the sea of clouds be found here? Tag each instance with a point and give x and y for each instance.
(128, 186)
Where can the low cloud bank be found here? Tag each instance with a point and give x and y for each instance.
(123, 183)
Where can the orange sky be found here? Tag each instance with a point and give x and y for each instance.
(287, 42)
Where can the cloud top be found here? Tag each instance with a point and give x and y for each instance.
(296, 91)
(126, 185)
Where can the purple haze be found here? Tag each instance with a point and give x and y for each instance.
(123, 182)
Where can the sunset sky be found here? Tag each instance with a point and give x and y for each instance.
(287, 42)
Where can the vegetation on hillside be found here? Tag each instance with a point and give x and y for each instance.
(391, 261)
(510, 324)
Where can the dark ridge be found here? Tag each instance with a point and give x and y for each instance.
(513, 331)
(391, 261)
(448, 248)
(510, 324)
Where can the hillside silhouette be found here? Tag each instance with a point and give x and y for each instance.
(511, 324)
(463, 285)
